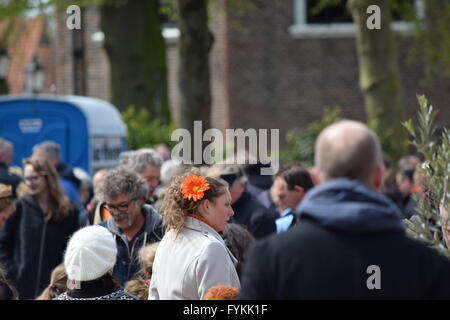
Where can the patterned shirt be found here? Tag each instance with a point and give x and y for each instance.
(116, 295)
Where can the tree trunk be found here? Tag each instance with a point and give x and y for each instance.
(194, 76)
(137, 55)
(379, 77)
(432, 45)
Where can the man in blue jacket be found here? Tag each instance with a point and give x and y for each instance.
(133, 223)
(350, 241)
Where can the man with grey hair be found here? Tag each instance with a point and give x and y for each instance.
(7, 177)
(350, 241)
(133, 223)
(68, 181)
(96, 208)
(147, 163)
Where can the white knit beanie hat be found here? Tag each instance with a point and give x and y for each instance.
(90, 254)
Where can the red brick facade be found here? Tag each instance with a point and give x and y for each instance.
(97, 73)
(274, 80)
(261, 76)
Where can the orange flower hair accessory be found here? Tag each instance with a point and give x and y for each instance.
(193, 187)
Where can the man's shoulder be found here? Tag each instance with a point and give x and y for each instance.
(148, 208)
(153, 222)
(428, 253)
(264, 198)
(257, 209)
(155, 217)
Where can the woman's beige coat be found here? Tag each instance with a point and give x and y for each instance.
(187, 265)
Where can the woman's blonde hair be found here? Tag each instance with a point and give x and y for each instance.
(175, 208)
(146, 258)
(138, 287)
(58, 284)
(59, 206)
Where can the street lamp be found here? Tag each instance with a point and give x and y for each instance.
(35, 76)
(4, 63)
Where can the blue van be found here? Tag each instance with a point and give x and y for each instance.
(90, 131)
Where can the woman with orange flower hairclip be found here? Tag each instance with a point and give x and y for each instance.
(192, 256)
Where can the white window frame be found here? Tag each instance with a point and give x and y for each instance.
(301, 29)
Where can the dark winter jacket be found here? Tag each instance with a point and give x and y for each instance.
(251, 214)
(70, 185)
(127, 264)
(65, 171)
(266, 200)
(9, 178)
(349, 243)
(406, 204)
(31, 247)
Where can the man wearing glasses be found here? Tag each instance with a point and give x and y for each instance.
(133, 223)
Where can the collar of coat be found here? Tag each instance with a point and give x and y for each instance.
(197, 225)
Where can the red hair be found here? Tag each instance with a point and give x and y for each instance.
(221, 292)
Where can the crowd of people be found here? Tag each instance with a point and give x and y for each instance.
(155, 228)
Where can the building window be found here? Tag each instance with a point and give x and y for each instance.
(335, 21)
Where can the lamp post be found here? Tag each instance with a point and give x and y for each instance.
(35, 76)
(4, 64)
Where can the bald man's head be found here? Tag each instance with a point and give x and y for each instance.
(347, 149)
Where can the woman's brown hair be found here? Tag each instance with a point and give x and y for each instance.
(59, 206)
(175, 208)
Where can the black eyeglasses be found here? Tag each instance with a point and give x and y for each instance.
(32, 178)
(120, 207)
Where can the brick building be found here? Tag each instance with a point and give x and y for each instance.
(281, 70)
(28, 42)
(274, 70)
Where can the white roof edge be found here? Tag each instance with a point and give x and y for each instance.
(102, 117)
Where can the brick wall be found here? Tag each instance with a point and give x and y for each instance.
(63, 52)
(261, 77)
(97, 70)
(276, 81)
(26, 39)
(97, 64)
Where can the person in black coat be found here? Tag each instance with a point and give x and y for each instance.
(6, 177)
(295, 183)
(401, 194)
(35, 236)
(350, 242)
(248, 211)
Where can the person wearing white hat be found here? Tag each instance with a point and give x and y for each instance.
(89, 259)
